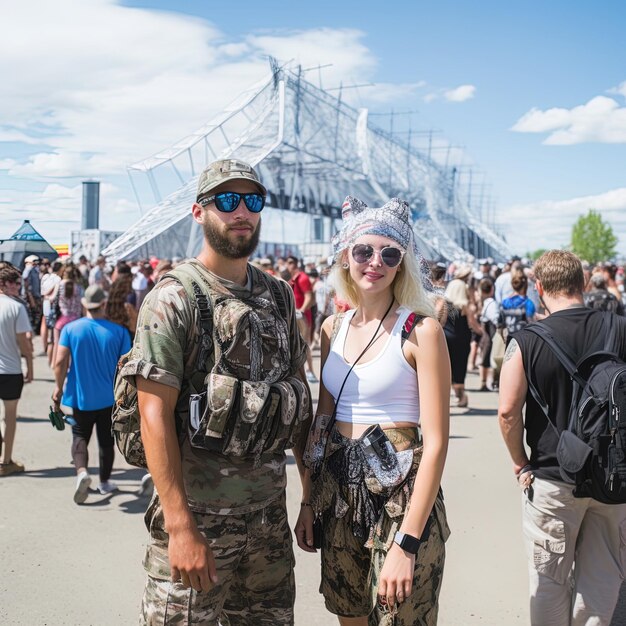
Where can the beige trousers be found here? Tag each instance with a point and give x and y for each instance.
(576, 551)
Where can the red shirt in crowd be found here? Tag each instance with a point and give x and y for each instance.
(301, 285)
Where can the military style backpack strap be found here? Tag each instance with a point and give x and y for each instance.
(189, 277)
(409, 324)
(279, 298)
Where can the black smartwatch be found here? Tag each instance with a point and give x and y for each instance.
(408, 543)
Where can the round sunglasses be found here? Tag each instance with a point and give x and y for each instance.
(363, 252)
(228, 201)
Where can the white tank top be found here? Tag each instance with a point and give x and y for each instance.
(379, 391)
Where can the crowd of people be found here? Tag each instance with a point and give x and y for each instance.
(396, 338)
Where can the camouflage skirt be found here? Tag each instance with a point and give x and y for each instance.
(351, 565)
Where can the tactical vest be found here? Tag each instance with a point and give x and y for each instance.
(251, 404)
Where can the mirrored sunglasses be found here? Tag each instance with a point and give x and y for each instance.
(363, 252)
(228, 201)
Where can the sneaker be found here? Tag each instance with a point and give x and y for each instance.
(108, 486)
(464, 401)
(146, 488)
(12, 467)
(82, 487)
(310, 376)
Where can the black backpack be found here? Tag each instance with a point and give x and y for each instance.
(591, 451)
(602, 301)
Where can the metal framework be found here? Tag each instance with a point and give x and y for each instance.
(311, 150)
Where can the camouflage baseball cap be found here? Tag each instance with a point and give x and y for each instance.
(220, 172)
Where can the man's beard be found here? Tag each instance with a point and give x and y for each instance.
(238, 249)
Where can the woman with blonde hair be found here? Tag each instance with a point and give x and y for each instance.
(458, 329)
(378, 443)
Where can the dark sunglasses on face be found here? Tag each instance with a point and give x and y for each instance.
(363, 252)
(228, 201)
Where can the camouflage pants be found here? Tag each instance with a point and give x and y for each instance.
(351, 571)
(254, 559)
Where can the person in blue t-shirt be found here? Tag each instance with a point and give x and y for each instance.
(90, 347)
(519, 309)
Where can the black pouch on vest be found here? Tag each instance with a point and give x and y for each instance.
(252, 402)
(283, 420)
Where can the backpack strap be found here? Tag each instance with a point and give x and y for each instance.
(610, 329)
(337, 320)
(534, 392)
(188, 276)
(279, 298)
(409, 324)
(566, 360)
(561, 353)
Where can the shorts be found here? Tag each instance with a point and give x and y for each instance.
(64, 320)
(254, 558)
(485, 350)
(351, 570)
(11, 386)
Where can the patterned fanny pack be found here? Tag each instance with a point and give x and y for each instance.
(355, 478)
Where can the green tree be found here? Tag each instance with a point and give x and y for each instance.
(592, 238)
(533, 256)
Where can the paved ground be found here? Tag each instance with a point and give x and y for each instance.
(65, 565)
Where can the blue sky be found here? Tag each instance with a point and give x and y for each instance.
(533, 92)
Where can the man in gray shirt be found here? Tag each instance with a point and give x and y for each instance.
(14, 343)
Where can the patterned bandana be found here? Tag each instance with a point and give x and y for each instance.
(391, 220)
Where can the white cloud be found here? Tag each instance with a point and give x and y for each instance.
(600, 120)
(12, 135)
(460, 94)
(56, 210)
(111, 85)
(91, 87)
(548, 224)
(620, 89)
(340, 47)
(382, 93)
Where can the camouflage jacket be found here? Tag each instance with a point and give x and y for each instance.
(165, 350)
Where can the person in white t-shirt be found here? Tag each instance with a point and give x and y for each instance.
(49, 283)
(14, 343)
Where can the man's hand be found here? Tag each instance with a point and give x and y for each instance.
(191, 559)
(57, 394)
(304, 529)
(28, 378)
(524, 475)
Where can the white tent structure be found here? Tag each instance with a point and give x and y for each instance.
(311, 150)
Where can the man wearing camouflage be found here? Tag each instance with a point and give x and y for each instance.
(220, 545)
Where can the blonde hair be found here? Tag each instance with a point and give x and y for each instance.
(408, 288)
(457, 293)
